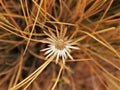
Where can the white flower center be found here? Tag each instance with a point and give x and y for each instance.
(60, 44)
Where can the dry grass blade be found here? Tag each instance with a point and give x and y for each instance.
(58, 77)
(33, 27)
(33, 76)
(104, 44)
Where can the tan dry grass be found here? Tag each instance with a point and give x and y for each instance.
(95, 25)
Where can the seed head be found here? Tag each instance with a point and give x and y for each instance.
(60, 44)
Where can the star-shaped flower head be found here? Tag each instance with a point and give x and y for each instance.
(59, 44)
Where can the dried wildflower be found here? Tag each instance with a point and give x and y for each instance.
(59, 44)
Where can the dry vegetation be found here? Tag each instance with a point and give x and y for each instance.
(93, 24)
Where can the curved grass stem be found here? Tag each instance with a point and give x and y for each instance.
(33, 76)
(55, 84)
